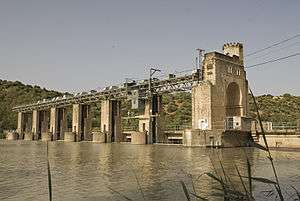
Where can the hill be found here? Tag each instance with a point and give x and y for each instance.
(278, 109)
(284, 108)
(17, 93)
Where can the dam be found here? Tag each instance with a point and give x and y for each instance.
(219, 91)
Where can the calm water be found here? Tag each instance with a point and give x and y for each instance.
(90, 171)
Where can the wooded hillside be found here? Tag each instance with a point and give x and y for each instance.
(17, 93)
(177, 107)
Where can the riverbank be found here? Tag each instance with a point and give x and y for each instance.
(281, 141)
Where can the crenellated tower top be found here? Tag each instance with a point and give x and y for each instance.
(234, 49)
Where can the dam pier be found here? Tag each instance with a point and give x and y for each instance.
(219, 91)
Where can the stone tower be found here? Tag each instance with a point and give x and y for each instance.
(222, 95)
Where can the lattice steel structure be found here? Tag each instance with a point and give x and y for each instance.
(171, 84)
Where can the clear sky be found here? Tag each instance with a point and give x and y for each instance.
(80, 45)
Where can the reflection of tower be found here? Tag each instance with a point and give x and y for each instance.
(228, 160)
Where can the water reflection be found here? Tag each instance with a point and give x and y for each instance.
(90, 171)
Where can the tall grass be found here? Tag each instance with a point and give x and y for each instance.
(277, 185)
(49, 175)
(228, 191)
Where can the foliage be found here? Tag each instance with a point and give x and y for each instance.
(15, 93)
(177, 108)
(285, 108)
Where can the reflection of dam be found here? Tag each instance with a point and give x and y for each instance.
(219, 91)
(86, 171)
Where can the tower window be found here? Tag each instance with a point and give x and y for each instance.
(210, 66)
(229, 69)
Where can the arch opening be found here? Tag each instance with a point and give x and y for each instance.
(233, 100)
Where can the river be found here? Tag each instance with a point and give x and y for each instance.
(92, 171)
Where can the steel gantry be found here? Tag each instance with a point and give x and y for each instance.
(171, 84)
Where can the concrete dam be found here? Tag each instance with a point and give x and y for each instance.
(219, 90)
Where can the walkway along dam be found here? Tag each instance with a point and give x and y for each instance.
(219, 91)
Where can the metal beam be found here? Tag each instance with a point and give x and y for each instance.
(181, 83)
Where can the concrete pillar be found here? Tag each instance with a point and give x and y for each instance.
(99, 137)
(144, 121)
(138, 138)
(28, 136)
(151, 121)
(62, 124)
(202, 106)
(111, 120)
(87, 126)
(46, 136)
(76, 122)
(53, 123)
(20, 123)
(69, 137)
(44, 121)
(11, 135)
(35, 124)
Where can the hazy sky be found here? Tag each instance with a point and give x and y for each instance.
(81, 45)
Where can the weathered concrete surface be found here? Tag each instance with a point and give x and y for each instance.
(197, 137)
(62, 124)
(87, 119)
(70, 137)
(53, 122)
(138, 138)
(11, 135)
(21, 136)
(76, 121)
(106, 118)
(99, 137)
(46, 136)
(153, 111)
(219, 138)
(45, 121)
(35, 123)
(236, 139)
(20, 123)
(202, 106)
(28, 136)
(144, 120)
(111, 120)
(286, 141)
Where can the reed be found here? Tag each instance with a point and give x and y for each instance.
(49, 174)
(120, 194)
(277, 185)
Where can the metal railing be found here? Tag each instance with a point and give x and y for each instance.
(177, 127)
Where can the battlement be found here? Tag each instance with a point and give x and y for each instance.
(234, 44)
(234, 49)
